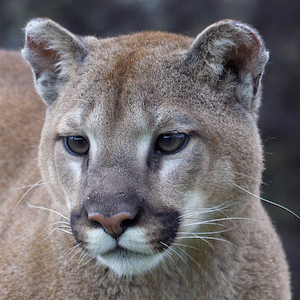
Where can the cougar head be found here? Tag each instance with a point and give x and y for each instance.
(144, 133)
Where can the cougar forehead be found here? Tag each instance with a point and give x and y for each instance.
(140, 83)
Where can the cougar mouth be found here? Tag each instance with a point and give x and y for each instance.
(124, 253)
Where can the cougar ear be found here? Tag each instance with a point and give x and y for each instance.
(53, 53)
(231, 54)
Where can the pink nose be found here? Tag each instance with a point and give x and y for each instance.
(113, 224)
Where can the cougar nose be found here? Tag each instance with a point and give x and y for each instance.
(112, 225)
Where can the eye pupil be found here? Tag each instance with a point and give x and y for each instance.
(76, 145)
(171, 142)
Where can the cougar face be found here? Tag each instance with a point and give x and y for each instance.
(124, 173)
(130, 143)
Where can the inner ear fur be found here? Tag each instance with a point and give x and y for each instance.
(231, 54)
(53, 52)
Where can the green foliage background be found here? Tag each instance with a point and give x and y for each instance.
(278, 22)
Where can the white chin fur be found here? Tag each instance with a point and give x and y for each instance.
(129, 263)
(130, 255)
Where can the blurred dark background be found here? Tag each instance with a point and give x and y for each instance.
(278, 21)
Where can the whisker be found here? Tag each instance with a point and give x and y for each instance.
(268, 201)
(169, 254)
(247, 176)
(217, 220)
(193, 235)
(188, 256)
(88, 262)
(76, 252)
(48, 209)
(63, 230)
(215, 223)
(83, 255)
(60, 229)
(170, 249)
(60, 222)
(220, 207)
(64, 226)
(27, 186)
(73, 249)
(234, 223)
(24, 195)
(187, 246)
(211, 232)
(197, 213)
(200, 238)
(221, 240)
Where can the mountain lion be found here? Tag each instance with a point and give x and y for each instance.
(149, 172)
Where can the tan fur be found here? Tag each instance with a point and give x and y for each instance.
(198, 229)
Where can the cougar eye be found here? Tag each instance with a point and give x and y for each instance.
(76, 145)
(170, 143)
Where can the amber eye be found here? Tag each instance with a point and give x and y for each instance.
(76, 145)
(170, 143)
